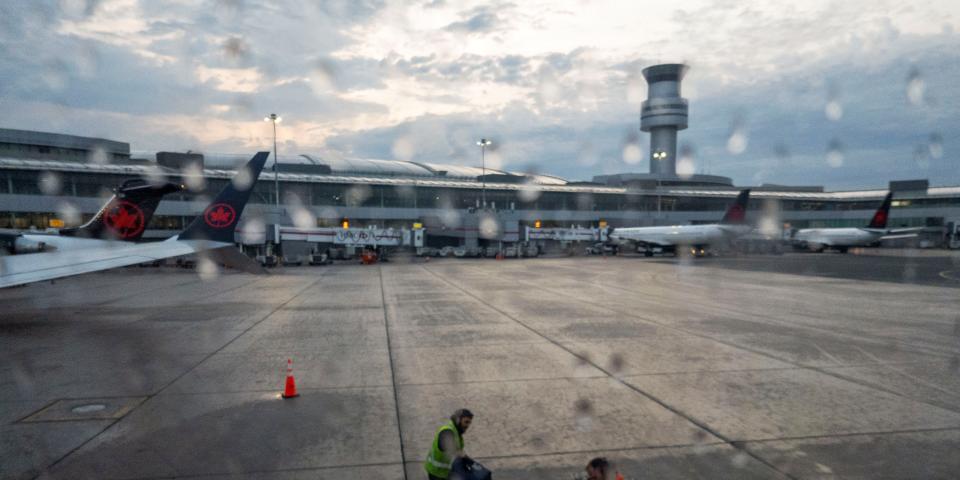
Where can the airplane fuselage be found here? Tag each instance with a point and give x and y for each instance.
(837, 237)
(695, 235)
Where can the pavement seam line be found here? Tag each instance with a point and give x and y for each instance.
(699, 424)
(707, 444)
(279, 470)
(659, 277)
(393, 370)
(178, 377)
(821, 370)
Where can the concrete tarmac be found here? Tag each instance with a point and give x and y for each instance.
(671, 368)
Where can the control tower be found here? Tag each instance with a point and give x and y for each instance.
(663, 114)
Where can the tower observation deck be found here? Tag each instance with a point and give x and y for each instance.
(663, 113)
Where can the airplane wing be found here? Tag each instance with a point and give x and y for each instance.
(897, 231)
(212, 230)
(898, 236)
(36, 267)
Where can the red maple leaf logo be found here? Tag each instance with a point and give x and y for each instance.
(736, 213)
(124, 219)
(220, 215)
(880, 218)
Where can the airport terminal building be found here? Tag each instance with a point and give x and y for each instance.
(54, 180)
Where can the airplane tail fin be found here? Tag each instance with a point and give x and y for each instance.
(126, 215)
(879, 219)
(737, 212)
(218, 222)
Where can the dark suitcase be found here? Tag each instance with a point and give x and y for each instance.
(468, 469)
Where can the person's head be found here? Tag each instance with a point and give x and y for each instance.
(462, 419)
(597, 469)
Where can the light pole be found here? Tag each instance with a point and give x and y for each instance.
(275, 119)
(484, 143)
(659, 156)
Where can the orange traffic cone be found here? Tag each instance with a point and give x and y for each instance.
(290, 390)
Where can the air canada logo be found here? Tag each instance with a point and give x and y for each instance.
(124, 219)
(736, 213)
(880, 218)
(219, 215)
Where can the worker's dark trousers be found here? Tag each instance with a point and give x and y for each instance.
(431, 477)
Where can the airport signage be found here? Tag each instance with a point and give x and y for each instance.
(563, 234)
(371, 237)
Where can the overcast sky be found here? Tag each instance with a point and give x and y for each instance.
(837, 93)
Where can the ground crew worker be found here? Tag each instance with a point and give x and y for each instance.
(447, 445)
(597, 469)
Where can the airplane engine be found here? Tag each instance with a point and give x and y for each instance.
(23, 245)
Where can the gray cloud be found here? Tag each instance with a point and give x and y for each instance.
(481, 20)
(569, 111)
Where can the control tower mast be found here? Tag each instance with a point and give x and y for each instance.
(663, 114)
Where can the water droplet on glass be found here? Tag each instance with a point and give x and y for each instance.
(587, 155)
(450, 217)
(833, 110)
(636, 89)
(243, 179)
(548, 90)
(582, 359)
(50, 183)
(357, 194)
(617, 363)
(69, 213)
(55, 75)
(207, 269)
(632, 153)
(252, 229)
(685, 164)
(494, 159)
(585, 201)
(77, 8)
(909, 273)
(98, 156)
(921, 155)
(936, 145)
(193, 177)
(737, 142)
(781, 151)
(302, 218)
(915, 87)
(323, 77)
(529, 192)
(700, 439)
(835, 153)
(489, 227)
(583, 410)
(235, 48)
(403, 148)
(632, 150)
(153, 175)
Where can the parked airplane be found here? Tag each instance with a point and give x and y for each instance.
(697, 237)
(820, 239)
(210, 233)
(124, 217)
